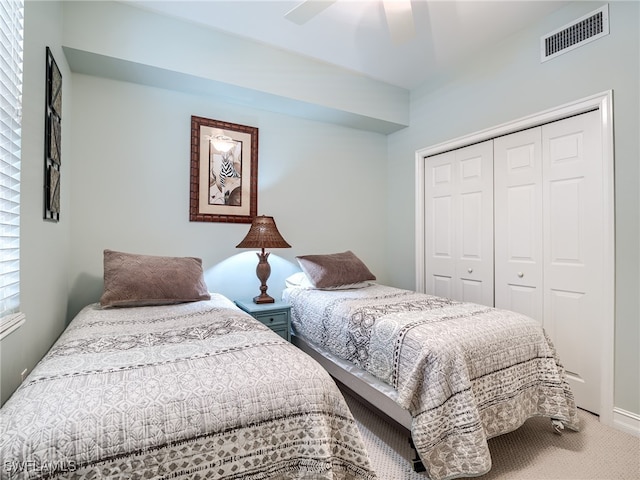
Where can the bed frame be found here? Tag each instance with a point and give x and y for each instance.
(366, 387)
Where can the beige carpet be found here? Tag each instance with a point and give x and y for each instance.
(532, 452)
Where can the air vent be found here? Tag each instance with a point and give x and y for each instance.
(582, 31)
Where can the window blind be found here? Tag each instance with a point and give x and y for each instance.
(11, 38)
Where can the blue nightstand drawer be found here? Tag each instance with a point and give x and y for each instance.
(276, 316)
(272, 320)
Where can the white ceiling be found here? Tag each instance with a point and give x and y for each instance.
(353, 34)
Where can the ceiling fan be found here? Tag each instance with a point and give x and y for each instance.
(398, 14)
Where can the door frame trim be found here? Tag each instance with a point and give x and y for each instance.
(603, 103)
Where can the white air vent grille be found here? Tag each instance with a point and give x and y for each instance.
(584, 30)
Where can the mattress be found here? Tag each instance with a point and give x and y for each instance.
(196, 390)
(465, 372)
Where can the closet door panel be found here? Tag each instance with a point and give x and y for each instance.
(472, 291)
(459, 224)
(474, 230)
(443, 257)
(518, 223)
(524, 299)
(441, 191)
(573, 218)
(441, 286)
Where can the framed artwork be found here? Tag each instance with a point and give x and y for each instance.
(224, 171)
(53, 135)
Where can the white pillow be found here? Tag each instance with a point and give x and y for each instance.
(300, 280)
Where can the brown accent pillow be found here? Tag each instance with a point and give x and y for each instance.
(132, 280)
(335, 269)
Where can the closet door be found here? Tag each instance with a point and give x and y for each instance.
(573, 216)
(549, 242)
(459, 224)
(518, 223)
(441, 197)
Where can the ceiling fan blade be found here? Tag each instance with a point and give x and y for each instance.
(399, 20)
(308, 9)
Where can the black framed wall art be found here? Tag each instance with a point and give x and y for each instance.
(52, 143)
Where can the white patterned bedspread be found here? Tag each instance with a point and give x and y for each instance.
(465, 372)
(197, 390)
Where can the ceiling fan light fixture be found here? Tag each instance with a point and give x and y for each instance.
(305, 11)
(398, 13)
(399, 16)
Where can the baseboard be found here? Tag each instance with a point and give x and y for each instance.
(625, 421)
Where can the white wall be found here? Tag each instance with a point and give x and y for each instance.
(510, 83)
(323, 184)
(44, 246)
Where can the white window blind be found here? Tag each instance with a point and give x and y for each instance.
(11, 34)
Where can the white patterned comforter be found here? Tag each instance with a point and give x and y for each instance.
(197, 390)
(465, 372)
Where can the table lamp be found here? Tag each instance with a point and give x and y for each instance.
(263, 234)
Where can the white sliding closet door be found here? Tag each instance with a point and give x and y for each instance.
(440, 174)
(459, 224)
(573, 221)
(518, 223)
(549, 240)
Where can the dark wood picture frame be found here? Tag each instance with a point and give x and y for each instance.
(53, 139)
(224, 171)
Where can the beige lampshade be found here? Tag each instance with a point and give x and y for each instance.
(263, 234)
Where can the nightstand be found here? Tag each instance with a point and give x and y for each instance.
(276, 316)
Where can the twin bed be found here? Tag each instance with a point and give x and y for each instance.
(159, 383)
(454, 374)
(155, 389)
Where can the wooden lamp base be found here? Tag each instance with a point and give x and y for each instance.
(263, 270)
